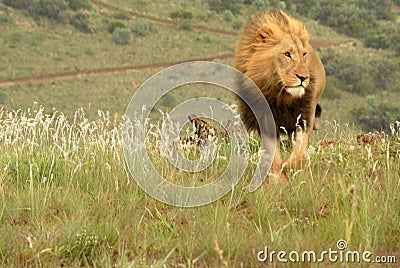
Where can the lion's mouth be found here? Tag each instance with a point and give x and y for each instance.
(296, 92)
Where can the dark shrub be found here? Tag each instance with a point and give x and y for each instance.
(113, 25)
(80, 20)
(181, 15)
(228, 15)
(122, 36)
(142, 27)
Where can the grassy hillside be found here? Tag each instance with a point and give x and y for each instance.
(67, 198)
(48, 62)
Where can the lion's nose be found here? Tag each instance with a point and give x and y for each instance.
(301, 77)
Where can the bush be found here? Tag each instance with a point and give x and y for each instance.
(175, 15)
(282, 4)
(187, 15)
(186, 25)
(377, 114)
(228, 15)
(5, 19)
(220, 6)
(181, 15)
(142, 27)
(80, 20)
(262, 4)
(114, 25)
(122, 36)
(17, 35)
(237, 24)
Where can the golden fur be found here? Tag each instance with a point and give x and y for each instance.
(274, 51)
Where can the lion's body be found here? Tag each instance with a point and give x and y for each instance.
(274, 52)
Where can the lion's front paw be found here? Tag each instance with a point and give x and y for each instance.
(277, 178)
(293, 163)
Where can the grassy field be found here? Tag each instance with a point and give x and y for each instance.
(68, 199)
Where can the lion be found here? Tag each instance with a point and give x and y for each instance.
(274, 51)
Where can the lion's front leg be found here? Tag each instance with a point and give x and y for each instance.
(272, 144)
(276, 167)
(299, 140)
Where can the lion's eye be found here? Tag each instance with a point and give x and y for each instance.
(305, 54)
(287, 55)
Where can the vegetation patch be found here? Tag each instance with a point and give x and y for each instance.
(122, 36)
(55, 10)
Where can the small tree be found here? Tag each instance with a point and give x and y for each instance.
(142, 27)
(80, 20)
(122, 36)
(228, 15)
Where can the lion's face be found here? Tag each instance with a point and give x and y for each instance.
(286, 63)
(280, 63)
(292, 61)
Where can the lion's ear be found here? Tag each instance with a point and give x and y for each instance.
(265, 35)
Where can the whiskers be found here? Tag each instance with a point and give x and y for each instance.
(281, 85)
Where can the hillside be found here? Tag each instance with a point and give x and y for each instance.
(68, 70)
(50, 62)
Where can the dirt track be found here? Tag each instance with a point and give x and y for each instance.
(102, 71)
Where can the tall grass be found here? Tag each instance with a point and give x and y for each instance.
(67, 199)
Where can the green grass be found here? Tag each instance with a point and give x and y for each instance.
(67, 199)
